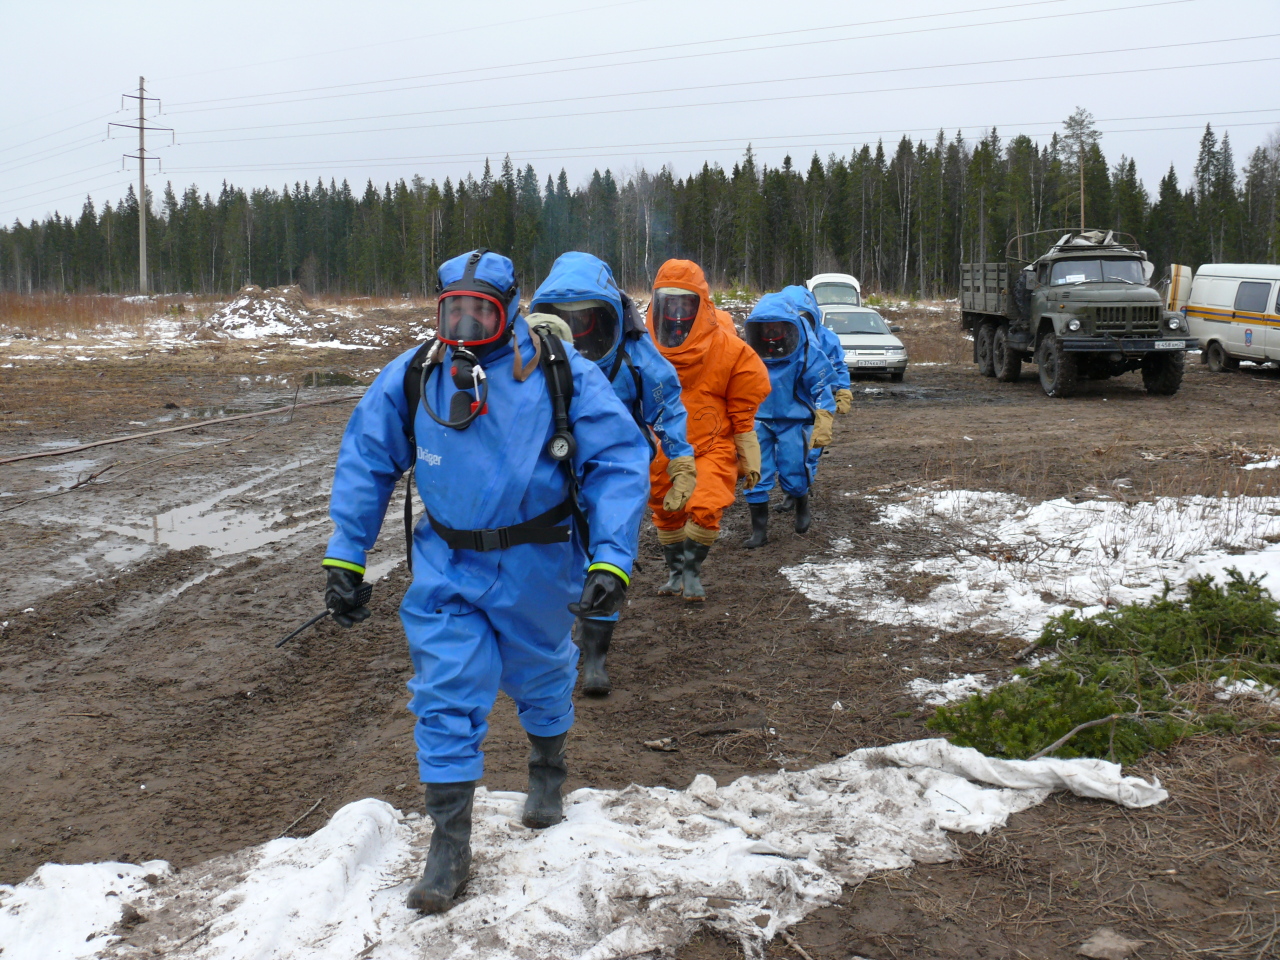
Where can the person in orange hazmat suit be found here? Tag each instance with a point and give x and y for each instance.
(722, 383)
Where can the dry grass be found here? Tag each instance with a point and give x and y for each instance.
(44, 315)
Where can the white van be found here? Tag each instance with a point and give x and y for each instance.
(1234, 309)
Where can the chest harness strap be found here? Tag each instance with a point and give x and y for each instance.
(547, 527)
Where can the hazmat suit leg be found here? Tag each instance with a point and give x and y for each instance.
(717, 479)
(795, 473)
(769, 441)
(462, 656)
(814, 456)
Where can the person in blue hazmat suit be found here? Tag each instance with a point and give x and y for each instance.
(502, 549)
(829, 344)
(608, 328)
(796, 416)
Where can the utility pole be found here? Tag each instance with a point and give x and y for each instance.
(141, 156)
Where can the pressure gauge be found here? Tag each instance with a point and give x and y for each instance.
(561, 446)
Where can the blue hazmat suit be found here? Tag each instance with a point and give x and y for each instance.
(800, 384)
(644, 380)
(828, 343)
(477, 622)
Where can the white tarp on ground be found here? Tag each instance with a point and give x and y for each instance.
(629, 871)
(1015, 563)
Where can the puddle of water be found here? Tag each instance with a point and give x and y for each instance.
(223, 529)
(330, 378)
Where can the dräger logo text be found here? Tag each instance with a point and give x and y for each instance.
(430, 459)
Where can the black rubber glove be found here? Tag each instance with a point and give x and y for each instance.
(340, 596)
(602, 595)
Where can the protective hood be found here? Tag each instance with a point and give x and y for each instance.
(686, 275)
(575, 277)
(776, 331)
(493, 277)
(805, 302)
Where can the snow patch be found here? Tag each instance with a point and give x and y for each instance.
(937, 692)
(1014, 563)
(628, 872)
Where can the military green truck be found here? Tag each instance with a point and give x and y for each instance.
(1084, 310)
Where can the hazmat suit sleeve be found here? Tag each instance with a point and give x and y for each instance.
(612, 465)
(747, 388)
(834, 350)
(374, 454)
(816, 383)
(661, 402)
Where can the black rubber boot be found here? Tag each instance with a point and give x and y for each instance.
(759, 525)
(449, 856)
(787, 504)
(592, 637)
(694, 554)
(547, 772)
(803, 518)
(673, 556)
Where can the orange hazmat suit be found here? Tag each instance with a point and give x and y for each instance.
(722, 383)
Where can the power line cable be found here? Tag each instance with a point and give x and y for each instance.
(732, 142)
(737, 84)
(772, 46)
(383, 43)
(725, 103)
(611, 53)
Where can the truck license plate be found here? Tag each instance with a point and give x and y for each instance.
(1170, 344)
(871, 363)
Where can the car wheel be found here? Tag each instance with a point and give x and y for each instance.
(1216, 358)
(1006, 361)
(1162, 373)
(897, 375)
(1057, 367)
(982, 344)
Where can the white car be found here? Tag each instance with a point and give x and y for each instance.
(835, 288)
(869, 343)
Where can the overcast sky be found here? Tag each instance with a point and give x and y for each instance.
(268, 92)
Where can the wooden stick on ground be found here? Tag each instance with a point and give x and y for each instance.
(189, 426)
(310, 811)
(791, 942)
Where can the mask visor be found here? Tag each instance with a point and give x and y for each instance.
(470, 319)
(674, 312)
(593, 322)
(772, 339)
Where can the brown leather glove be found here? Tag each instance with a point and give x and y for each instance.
(822, 421)
(748, 445)
(684, 477)
(844, 400)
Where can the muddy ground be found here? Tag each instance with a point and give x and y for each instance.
(145, 712)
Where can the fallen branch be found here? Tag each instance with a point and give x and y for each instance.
(1071, 733)
(190, 426)
(310, 811)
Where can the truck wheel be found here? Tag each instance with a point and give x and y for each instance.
(982, 340)
(1216, 357)
(1005, 359)
(1057, 367)
(1162, 373)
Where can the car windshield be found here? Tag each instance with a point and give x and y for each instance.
(856, 322)
(1096, 271)
(827, 293)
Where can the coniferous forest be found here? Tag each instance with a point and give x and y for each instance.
(901, 221)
